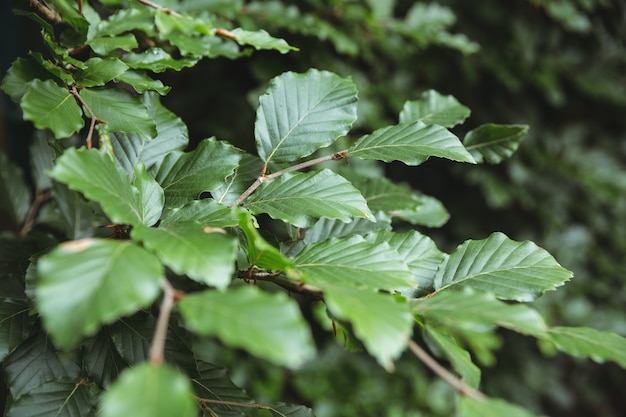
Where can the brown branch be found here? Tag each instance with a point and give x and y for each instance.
(47, 13)
(157, 348)
(275, 278)
(159, 7)
(40, 198)
(225, 34)
(94, 119)
(262, 178)
(444, 374)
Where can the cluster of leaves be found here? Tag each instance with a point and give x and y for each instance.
(127, 314)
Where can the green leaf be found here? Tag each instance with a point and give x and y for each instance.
(411, 143)
(459, 358)
(104, 45)
(141, 83)
(204, 254)
(102, 360)
(261, 253)
(494, 143)
(22, 71)
(299, 198)
(207, 212)
(184, 176)
(157, 60)
(96, 176)
(290, 410)
(86, 283)
(433, 108)
(244, 314)
(15, 323)
(214, 383)
(76, 215)
(301, 113)
(125, 20)
(260, 39)
(120, 110)
(52, 107)
(324, 229)
(132, 336)
(100, 71)
(381, 322)
(584, 342)
(15, 195)
(41, 160)
(149, 391)
(246, 173)
(511, 270)
(353, 261)
(491, 407)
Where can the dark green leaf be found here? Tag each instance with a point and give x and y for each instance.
(261, 253)
(61, 397)
(52, 107)
(132, 336)
(249, 169)
(86, 283)
(290, 410)
(22, 71)
(584, 342)
(102, 360)
(511, 270)
(242, 314)
(41, 160)
(149, 391)
(214, 383)
(76, 215)
(303, 112)
(299, 198)
(207, 212)
(15, 323)
(260, 39)
(100, 71)
(494, 143)
(411, 143)
(433, 108)
(184, 176)
(15, 196)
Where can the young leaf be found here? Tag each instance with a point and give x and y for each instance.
(261, 253)
(100, 71)
(205, 254)
(184, 176)
(511, 270)
(15, 196)
(299, 198)
(494, 143)
(121, 111)
(353, 261)
(381, 322)
(433, 108)
(260, 39)
(303, 112)
(149, 391)
(86, 283)
(459, 358)
(239, 315)
(411, 143)
(52, 107)
(491, 407)
(590, 343)
(100, 179)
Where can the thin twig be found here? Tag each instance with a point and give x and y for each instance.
(40, 198)
(157, 348)
(288, 284)
(94, 119)
(47, 13)
(225, 34)
(444, 374)
(262, 178)
(159, 7)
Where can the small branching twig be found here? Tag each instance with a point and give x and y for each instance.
(94, 119)
(40, 198)
(159, 7)
(444, 374)
(275, 278)
(157, 348)
(262, 178)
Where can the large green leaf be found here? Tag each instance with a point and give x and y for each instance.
(205, 254)
(15, 196)
(490, 407)
(94, 174)
(324, 229)
(260, 39)
(86, 283)
(353, 261)
(259, 251)
(590, 343)
(299, 198)
(269, 326)
(446, 346)
(206, 212)
(61, 397)
(100, 71)
(120, 110)
(52, 107)
(433, 108)
(511, 270)
(149, 391)
(158, 60)
(411, 143)
(184, 175)
(379, 320)
(141, 83)
(303, 112)
(494, 143)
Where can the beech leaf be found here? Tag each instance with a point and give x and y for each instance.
(494, 143)
(433, 108)
(590, 343)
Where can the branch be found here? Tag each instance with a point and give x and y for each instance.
(47, 13)
(159, 7)
(262, 178)
(40, 198)
(94, 119)
(275, 278)
(444, 374)
(157, 348)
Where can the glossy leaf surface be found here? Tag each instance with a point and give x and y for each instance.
(433, 108)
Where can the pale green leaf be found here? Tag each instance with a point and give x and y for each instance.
(584, 342)
(100, 71)
(490, 407)
(433, 108)
(430, 212)
(149, 391)
(86, 283)
(260, 39)
(120, 110)
(511, 270)
(52, 107)
(494, 143)
(185, 175)
(411, 143)
(379, 320)
(204, 254)
(206, 212)
(353, 261)
(242, 314)
(303, 112)
(100, 179)
(15, 195)
(459, 358)
(261, 253)
(299, 198)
